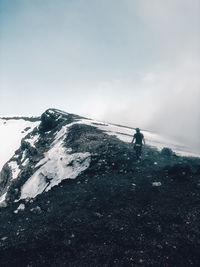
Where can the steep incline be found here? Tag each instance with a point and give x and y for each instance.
(42, 161)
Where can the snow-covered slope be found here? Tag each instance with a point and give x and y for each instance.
(38, 157)
(11, 133)
(58, 164)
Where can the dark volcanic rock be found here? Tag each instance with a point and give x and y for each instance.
(4, 177)
(49, 120)
(180, 171)
(198, 170)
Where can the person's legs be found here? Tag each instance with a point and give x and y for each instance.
(140, 153)
(138, 150)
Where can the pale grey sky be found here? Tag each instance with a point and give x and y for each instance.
(134, 62)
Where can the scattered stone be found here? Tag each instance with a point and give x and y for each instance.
(156, 184)
(36, 210)
(4, 238)
(21, 207)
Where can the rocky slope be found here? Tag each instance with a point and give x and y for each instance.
(74, 195)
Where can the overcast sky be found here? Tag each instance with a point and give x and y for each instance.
(133, 62)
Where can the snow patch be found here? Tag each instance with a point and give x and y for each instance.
(24, 155)
(21, 207)
(14, 169)
(11, 134)
(56, 166)
(3, 197)
(156, 184)
(32, 140)
(58, 111)
(25, 162)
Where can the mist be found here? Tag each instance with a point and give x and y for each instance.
(163, 97)
(134, 63)
(164, 101)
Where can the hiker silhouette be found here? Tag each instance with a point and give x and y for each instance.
(138, 140)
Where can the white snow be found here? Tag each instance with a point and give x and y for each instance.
(3, 197)
(156, 184)
(32, 140)
(59, 111)
(23, 155)
(25, 162)
(11, 134)
(56, 166)
(20, 207)
(14, 169)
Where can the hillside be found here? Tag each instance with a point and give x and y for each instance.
(12, 130)
(74, 195)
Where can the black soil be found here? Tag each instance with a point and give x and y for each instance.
(111, 215)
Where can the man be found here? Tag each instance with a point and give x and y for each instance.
(139, 139)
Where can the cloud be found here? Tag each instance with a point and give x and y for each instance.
(178, 114)
(165, 95)
(166, 101)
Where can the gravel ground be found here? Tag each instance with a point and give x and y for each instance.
(119, 212)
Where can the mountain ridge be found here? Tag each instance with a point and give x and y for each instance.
(88, 201)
